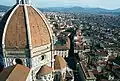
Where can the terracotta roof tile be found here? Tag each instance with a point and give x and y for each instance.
(14, 73)
(101, 53)
(111, 58)
(16, 32)
(116, 67)
(44, 70)
(39, 32)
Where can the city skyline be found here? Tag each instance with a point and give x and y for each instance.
(70, 3)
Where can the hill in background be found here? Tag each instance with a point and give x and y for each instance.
(72, 10)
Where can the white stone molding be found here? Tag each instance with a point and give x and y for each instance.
(28, 26)
(6, 25)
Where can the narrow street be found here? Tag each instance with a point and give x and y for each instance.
(78, 74)
(73, 60)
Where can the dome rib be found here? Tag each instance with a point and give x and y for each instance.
(3, 23)
(28, 27)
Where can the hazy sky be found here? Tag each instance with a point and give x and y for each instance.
(108, 4)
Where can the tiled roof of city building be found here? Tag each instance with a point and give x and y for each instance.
(111, 58)
(14, 73)
(44, 70)
(59, 46)
(101, 53)
(116, 67)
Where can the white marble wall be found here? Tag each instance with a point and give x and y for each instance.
(62, 71)
(48, 77)
(63, 53)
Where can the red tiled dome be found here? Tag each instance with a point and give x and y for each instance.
(24, 27)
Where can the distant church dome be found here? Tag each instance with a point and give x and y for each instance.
(23, 26)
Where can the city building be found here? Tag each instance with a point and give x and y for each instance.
(62, 49)
(62, 70)
(45, 74)
(15, 73)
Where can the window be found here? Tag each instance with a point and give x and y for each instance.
(40, 78)
(45, 77)
(17, 61)
(42, 57)
(55, 56)
(63, 75)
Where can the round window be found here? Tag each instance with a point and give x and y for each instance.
(42, 57)
(17, 61)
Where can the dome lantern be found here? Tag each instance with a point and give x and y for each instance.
(23, 1)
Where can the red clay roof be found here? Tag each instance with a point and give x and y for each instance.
(40, 34)
(111, 58)
(95, 72)
(116, 67)
(101, 53)
(17, 31)
(14, 73)
(44, 70)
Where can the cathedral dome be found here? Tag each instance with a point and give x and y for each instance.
(25, 37)
(24, 27)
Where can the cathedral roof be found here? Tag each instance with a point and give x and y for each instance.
(60, 63)
(14, 73)
(24, 26)
(44, 70)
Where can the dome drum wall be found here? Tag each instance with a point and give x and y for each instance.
(41, 60)
(12, 54)
(44, 58)
(40, 50)
(10, 61)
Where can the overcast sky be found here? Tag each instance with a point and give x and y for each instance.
(108, 4)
